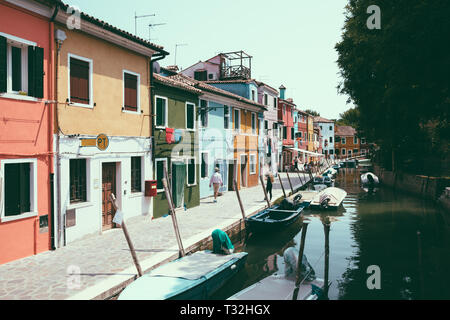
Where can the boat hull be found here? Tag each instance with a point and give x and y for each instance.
(267, 219)
(159, 287)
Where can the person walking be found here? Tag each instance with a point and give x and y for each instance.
(270, 181)
(216, 182)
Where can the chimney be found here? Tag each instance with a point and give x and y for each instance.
(282, 92)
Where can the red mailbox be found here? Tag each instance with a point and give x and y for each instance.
(151, 188)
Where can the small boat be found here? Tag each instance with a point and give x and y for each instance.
(277, 287)
(282, 284)
(332, 173)
(193, 277)
(278, 217)
(369, 179)
(330, 198)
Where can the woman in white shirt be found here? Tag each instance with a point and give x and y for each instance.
(216, 182)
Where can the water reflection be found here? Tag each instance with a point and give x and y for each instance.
(373, 228)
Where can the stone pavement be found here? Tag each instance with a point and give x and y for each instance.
(92, 267)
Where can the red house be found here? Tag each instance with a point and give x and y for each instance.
(286, 109)
(26, 160)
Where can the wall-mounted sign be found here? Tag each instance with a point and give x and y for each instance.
(101, 142)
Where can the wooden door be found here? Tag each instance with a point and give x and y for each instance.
(108, 188)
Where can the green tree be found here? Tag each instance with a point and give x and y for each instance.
(312, 113)
(398, 76)
(350, 118)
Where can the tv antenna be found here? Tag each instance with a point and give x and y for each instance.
(152, 25)
(136, 17)
(176, 48)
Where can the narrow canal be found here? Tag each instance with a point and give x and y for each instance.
(372, 229)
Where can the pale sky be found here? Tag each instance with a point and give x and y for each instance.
(292, 41)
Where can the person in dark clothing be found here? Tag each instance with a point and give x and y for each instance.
(270, 181)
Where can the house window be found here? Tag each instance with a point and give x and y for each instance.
(80, 80)
(191, 172)
(275, 103)
(253, 95)
(159, 164)
(292, 133)
(226, 118)
(78, 181)
(253, 164)
(331, 128)
(349, 153)
(266, 99)
(363, 141)
(201, 75)
(331, 152)
(205, 165)
(355, 140)
(275, 129)
(253, 123)
(331, 139)
(343, 141)
(204, 113)
(161, 120)
(266, 127)
(190, 116)
(131, 91)
(237, 120)
(363, 152)
(355, 151)
(17, 189)
(136, 174)
(344, 152)
(285, 133)
(22, 67)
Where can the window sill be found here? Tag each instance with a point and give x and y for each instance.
(20, 217)
(191, 185)
(80, 105)
(79, 205)
(18, 97)
(137, 113)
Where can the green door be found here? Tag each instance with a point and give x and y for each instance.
(178, 183)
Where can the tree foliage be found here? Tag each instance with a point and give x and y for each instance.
(350, 118)
(398, 76)
(312, 113)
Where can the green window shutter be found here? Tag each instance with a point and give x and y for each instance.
(39, 72)
(31, 72)
(190, 116)
(160, 113)
(159, 174)
(3, 66)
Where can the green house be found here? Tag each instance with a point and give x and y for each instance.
(175, 144)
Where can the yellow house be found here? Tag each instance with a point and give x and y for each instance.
(102, 125)
(310, 133)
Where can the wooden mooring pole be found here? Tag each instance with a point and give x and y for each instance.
(174, 217)
(265, 191)
(327, 227)
(300, 255)
(239, 199)
(282, 187)
(127, 236)
(290, 183)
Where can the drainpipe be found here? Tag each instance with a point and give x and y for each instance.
(157, 57)
(53, 96)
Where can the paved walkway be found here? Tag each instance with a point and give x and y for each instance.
(88, 268)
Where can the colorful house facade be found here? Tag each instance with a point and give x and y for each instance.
(26, 94)
(301, 134)
(347, 142)
(286, 109)
(176, 144)
(327, 128)
(103, 126)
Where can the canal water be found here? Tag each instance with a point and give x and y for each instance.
(372, 229)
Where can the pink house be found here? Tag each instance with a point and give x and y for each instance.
(26, 160)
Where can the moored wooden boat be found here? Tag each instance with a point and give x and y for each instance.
(369, 179)
(278, 287)
(193, 277)
(330, 198)
(275, 218)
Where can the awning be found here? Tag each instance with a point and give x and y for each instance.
(307, 152)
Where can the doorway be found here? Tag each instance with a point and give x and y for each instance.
(109, 186)
(222, 165)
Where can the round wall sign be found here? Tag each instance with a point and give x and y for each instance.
(102, 142)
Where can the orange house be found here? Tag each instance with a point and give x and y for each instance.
(26, 160)
(246, 131)
(347, 142)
